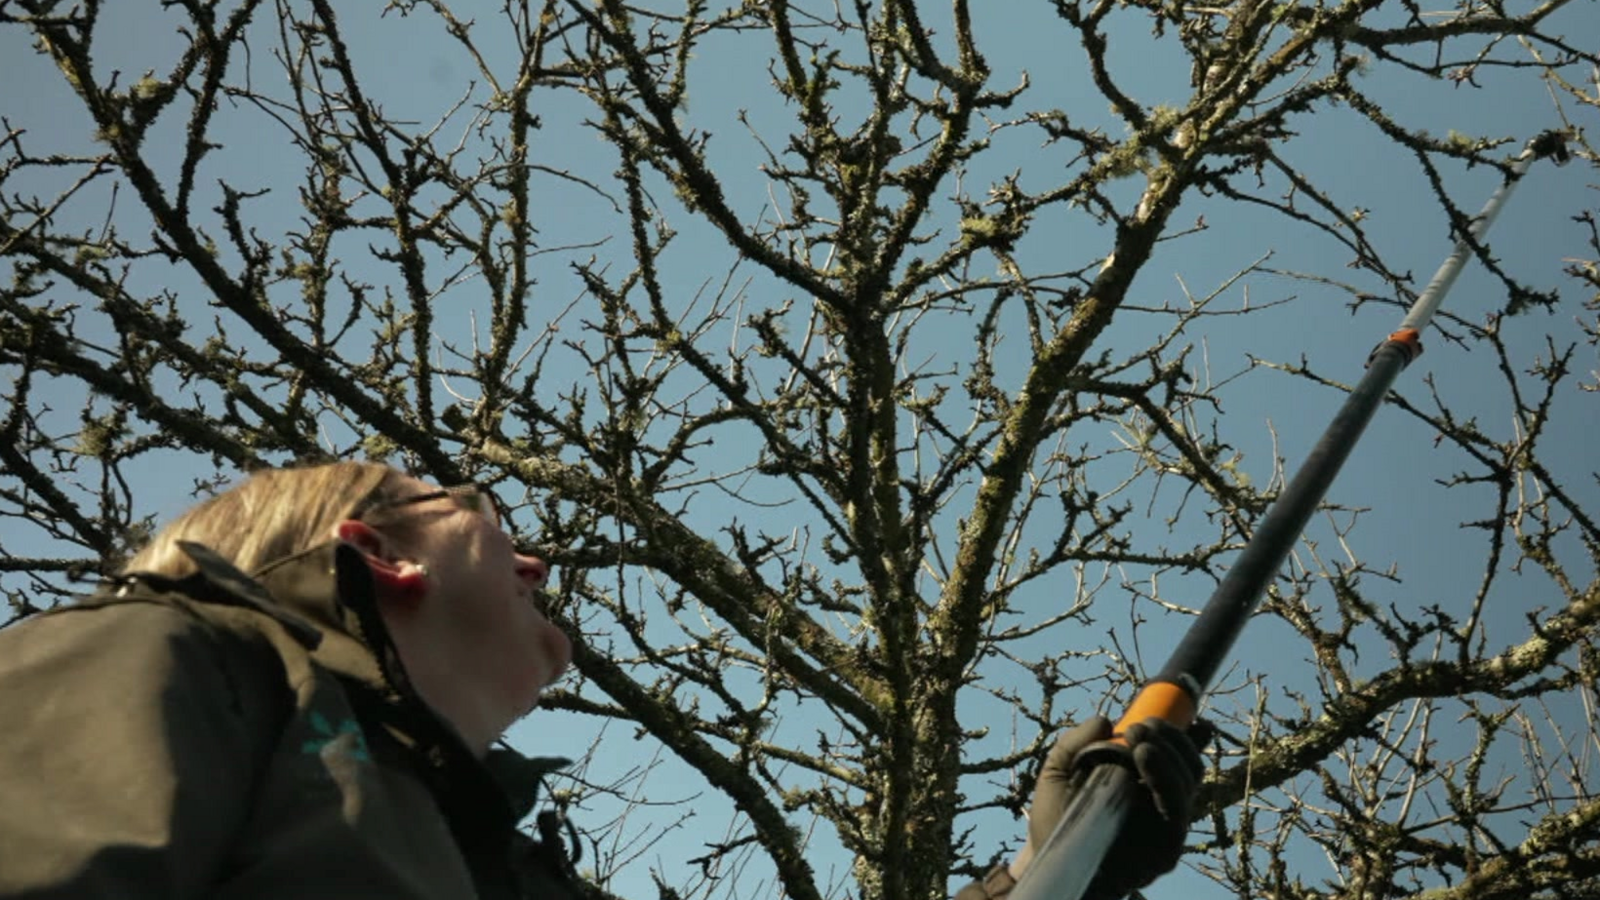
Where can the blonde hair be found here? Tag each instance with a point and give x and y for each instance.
(272, 514)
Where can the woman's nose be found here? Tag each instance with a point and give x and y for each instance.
(533, 570)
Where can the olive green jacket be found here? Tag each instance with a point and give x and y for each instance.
(223, 736)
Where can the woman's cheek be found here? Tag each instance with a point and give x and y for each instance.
(558, 650)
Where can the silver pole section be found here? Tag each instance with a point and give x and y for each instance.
(1432, 296)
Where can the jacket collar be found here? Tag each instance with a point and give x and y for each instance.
(325, 596)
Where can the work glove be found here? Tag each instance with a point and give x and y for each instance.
(1151, 842)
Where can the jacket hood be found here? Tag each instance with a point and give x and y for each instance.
(331, 588)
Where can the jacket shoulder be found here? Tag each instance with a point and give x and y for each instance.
(168, 645)
(116, 707)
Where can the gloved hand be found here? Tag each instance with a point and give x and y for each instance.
(1151, 842)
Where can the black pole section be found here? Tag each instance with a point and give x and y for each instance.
(1105, 790)
(1203, 648)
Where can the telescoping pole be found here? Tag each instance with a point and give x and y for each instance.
(1063, 867)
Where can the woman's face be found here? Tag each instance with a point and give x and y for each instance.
(479, 620)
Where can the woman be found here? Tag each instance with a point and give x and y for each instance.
(322, 727)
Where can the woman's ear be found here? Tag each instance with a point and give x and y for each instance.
(397, 576)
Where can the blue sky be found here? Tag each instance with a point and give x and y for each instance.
(1412, 522)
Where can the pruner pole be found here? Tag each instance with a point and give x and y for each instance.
(1063, 867)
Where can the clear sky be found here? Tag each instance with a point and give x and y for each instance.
(1413, 521)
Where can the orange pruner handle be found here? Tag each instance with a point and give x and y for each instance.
(1161, 700)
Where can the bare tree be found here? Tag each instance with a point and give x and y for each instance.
(841, 423)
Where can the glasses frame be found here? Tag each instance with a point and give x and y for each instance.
(474, 498)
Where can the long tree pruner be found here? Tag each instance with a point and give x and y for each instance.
(1093, 819)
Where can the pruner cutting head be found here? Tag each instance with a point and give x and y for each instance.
(1552, 143)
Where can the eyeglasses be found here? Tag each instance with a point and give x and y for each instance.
(471, 497)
